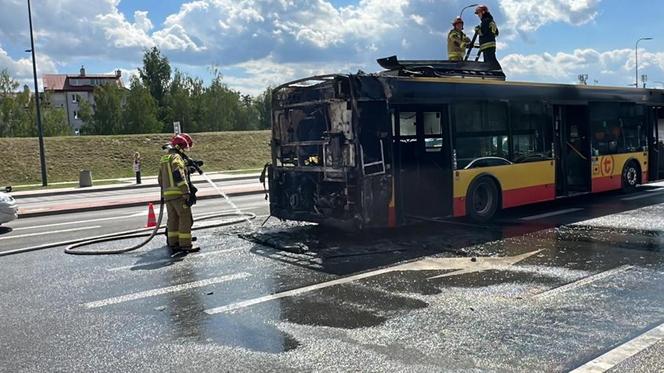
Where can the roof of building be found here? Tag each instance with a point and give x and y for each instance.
(61, 82)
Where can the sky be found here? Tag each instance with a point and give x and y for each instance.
(257, 43)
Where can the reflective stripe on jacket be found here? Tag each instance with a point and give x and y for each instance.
(457, 42)
(488, 32)
(173, 176)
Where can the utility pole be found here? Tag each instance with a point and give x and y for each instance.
(636, 52)
(42, 155)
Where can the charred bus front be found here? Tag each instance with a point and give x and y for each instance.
(329, 135)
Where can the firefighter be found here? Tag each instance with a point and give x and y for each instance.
(487, 32)
(457, 41)
(175, 189)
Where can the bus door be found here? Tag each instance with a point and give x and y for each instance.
(654, 164)
(572, 143)
(423, 148)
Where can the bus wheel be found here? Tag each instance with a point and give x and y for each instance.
(482, 200)
(631, 177)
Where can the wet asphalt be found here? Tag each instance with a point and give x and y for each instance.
(530, 292)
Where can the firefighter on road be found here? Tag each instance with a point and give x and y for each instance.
(457, 41)
(173, 179)
(487, 32)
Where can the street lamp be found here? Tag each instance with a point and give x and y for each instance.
(42, 156)
(469, 6)
(636, 81)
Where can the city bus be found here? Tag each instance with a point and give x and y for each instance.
(432, 140)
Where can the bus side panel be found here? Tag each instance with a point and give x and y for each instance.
(607, 170)
(521, 184)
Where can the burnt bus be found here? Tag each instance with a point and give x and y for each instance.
(426, 140)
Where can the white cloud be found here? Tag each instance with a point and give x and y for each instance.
(527, 16)
(21, 69)
(121, 33)
(256, 75)
(613, 66)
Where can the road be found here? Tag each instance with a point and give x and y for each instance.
(111, 198)
(59, 228)
(552, 287)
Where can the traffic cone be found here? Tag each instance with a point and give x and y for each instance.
(152, 219)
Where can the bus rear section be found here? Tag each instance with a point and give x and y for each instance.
(321, 170)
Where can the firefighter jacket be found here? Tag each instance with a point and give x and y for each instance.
(457, 42)
(173, 176)
(487, 32)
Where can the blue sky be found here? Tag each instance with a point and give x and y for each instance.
(256, 43)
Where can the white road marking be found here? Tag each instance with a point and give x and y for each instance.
(642, 196)
(583, 282)
(166, 290)
(550, 214)
(50, 232)
(169, 260)
(465, 265)
(78, 222)
(623, 352)
(655, 190)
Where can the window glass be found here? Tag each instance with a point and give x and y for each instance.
(531, 131)
(407, 122)
(432, 124)
(471, 148)
(496, 117)
(617, 128)
(468, 117)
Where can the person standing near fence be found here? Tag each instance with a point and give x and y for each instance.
(137, 167)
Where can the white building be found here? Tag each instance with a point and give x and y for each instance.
(67, 91)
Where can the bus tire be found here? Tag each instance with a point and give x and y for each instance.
(631, 176)
(482, 200)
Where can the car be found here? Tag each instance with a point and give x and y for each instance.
(8, 208)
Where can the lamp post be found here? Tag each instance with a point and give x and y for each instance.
(469, 6)
(636, 52)
(42, 156)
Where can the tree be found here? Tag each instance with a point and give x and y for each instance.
(263, 105)
(107, 119)
(181, 102)
(155, 74)
(140, 115)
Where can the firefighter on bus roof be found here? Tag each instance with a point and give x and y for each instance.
(457, 41)
(487, 32)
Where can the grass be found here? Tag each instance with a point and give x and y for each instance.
(111, 157)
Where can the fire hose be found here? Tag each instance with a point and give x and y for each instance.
(72, 248)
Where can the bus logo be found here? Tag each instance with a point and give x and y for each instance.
(606, 166)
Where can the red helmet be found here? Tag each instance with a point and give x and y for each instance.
(483, 8)
(182, 140)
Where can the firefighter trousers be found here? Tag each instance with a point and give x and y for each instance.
(179, 223)
(490, 57)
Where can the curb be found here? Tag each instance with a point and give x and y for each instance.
(122, 205)
(111, 187)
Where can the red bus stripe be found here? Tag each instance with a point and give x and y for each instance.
(604, 184)
(459, 207)
(525, 196)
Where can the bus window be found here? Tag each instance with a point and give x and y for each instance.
(617, 128)
(531, 129)
(433, 132)
(633, 121)
(407, 124)
(481, 131)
